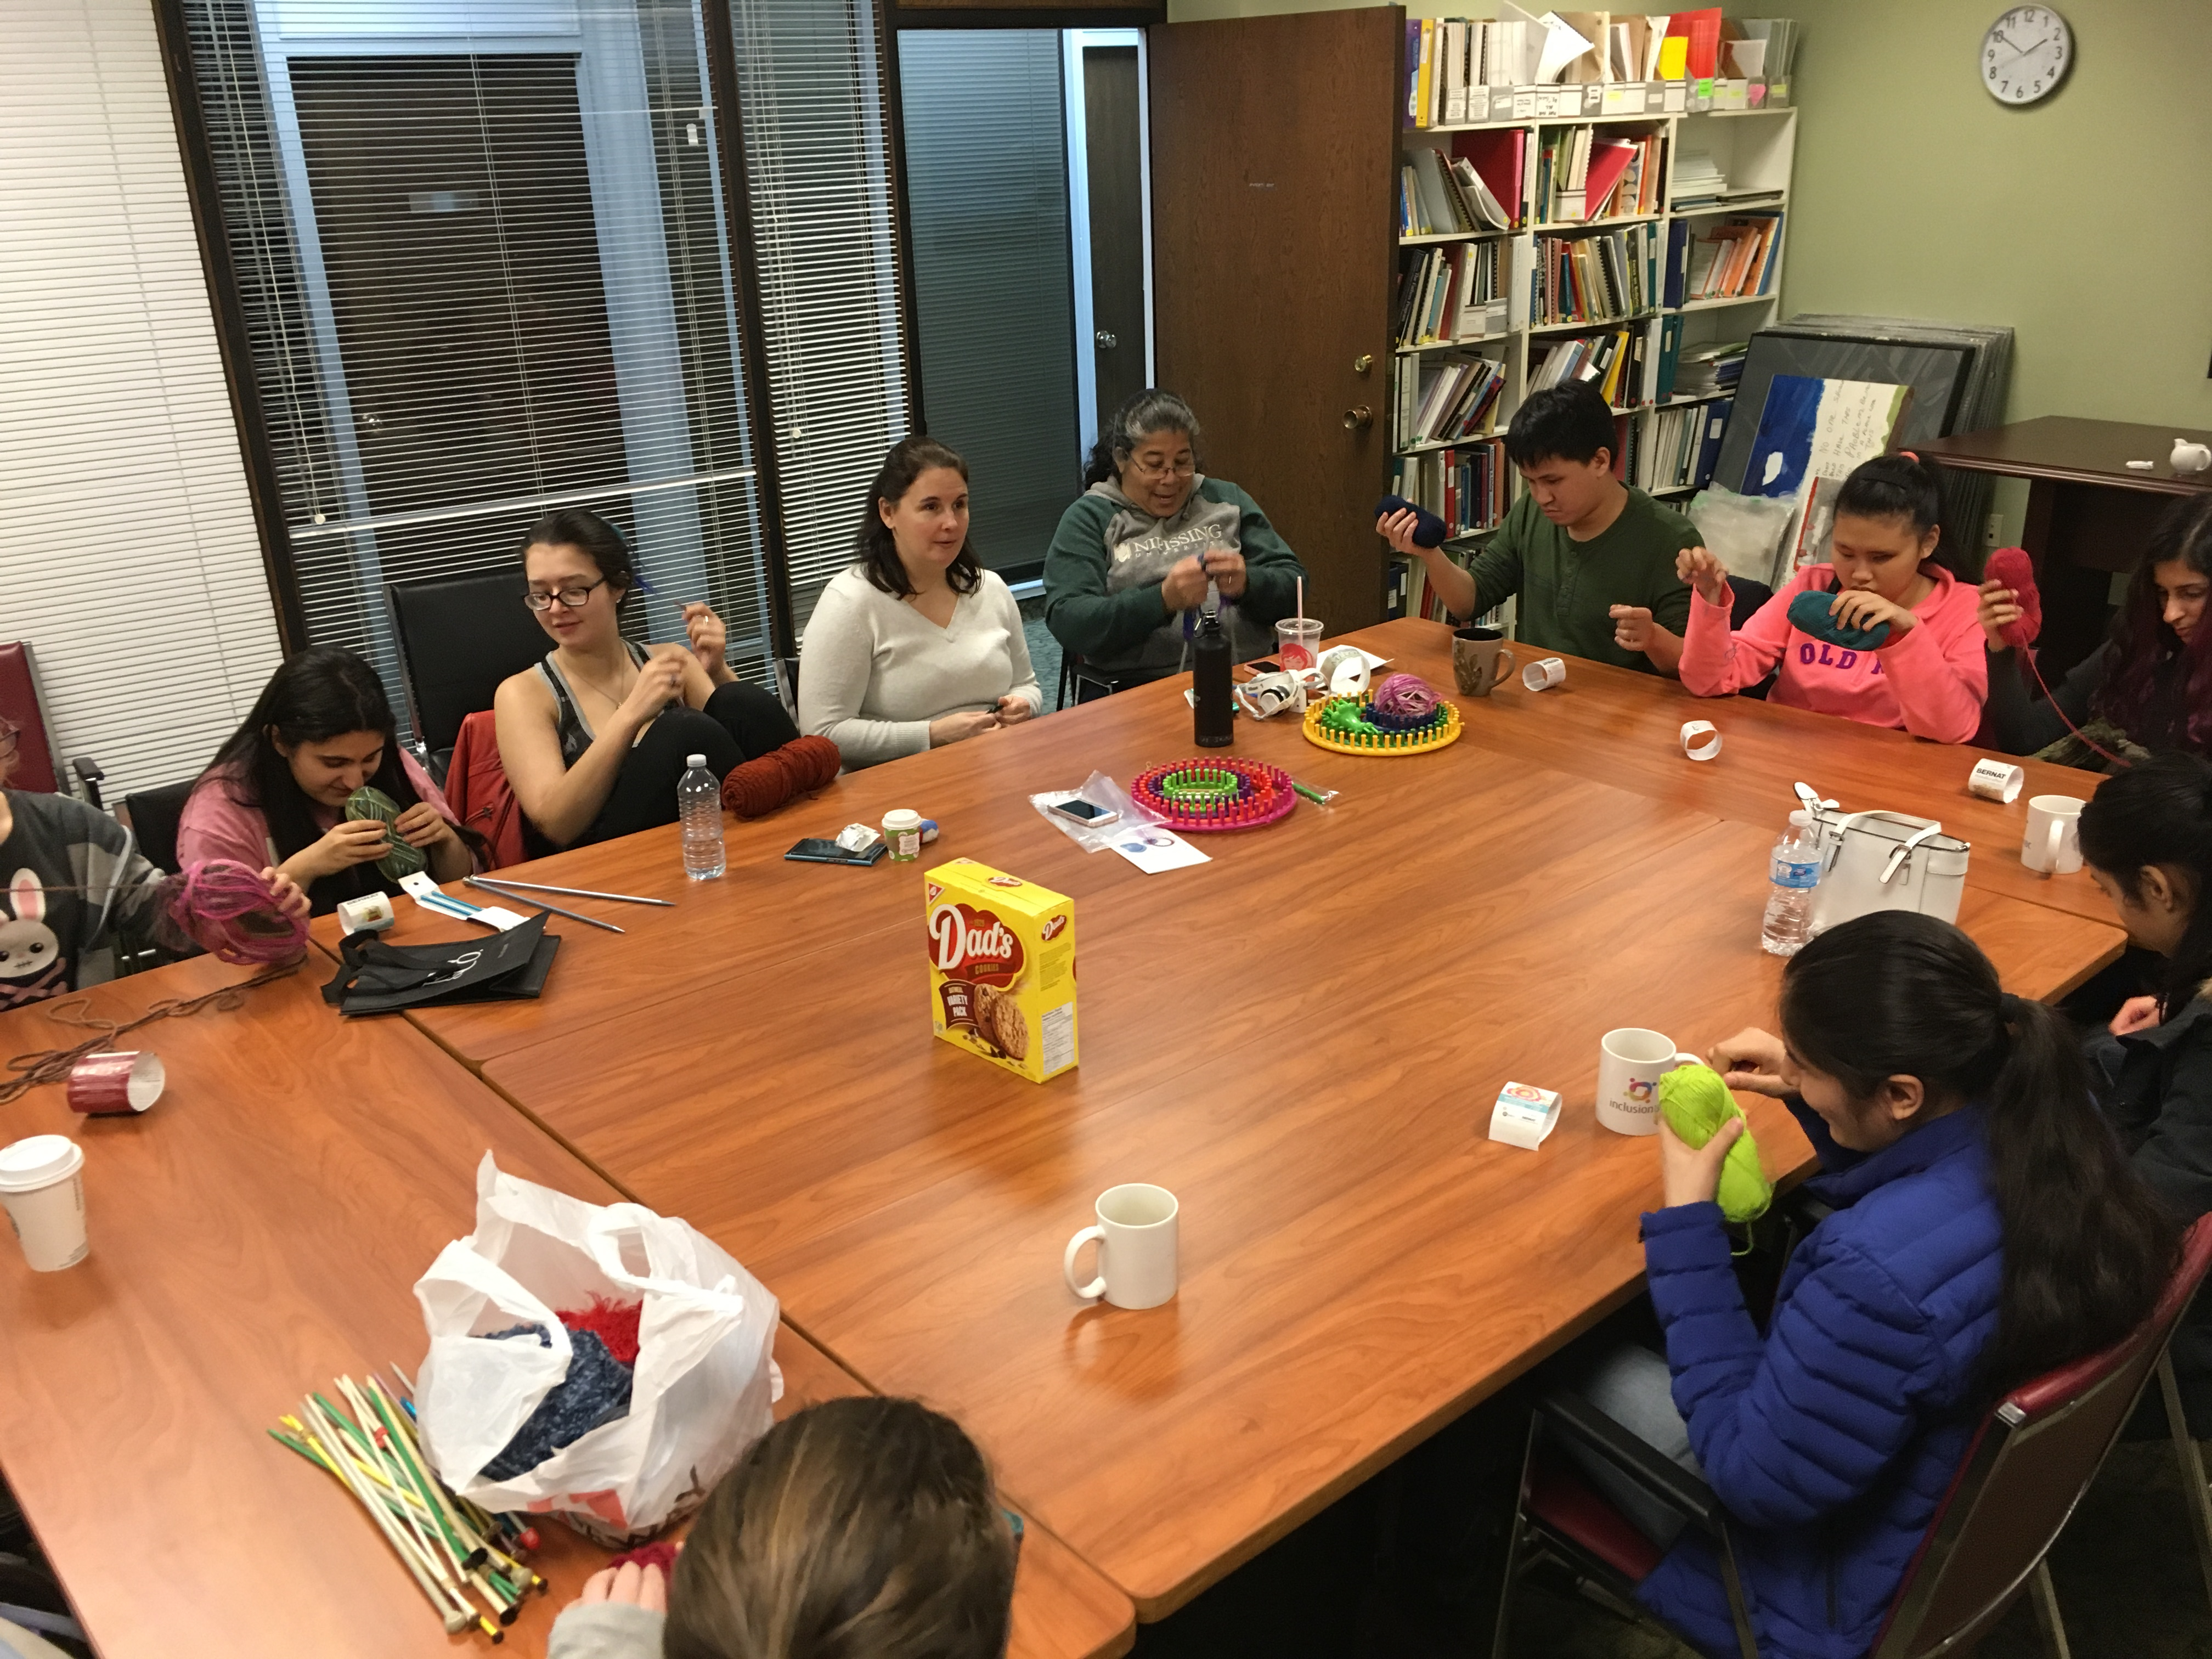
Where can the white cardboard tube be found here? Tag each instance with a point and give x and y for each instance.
(1544, 673)
(1997, 781)
(1701, 739)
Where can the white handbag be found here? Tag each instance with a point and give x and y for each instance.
(1878, 860)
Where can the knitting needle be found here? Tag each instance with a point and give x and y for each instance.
(573, 892)
(524, 898)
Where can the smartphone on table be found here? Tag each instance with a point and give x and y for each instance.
(1088, 813)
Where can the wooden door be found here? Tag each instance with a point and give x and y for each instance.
(1274, 179)
(1114, 164)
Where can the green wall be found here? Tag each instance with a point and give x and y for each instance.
(2084, 222)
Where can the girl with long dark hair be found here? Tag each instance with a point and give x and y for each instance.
(595, 738)
(2147, 690)
(916, 645)
(276, 792)
(2146, 838)
(1986, 1228)
(1887, 564)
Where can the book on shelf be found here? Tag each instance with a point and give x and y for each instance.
(1444, 397)
(1698, 181)
(1609, 160)
(1448, 58)
(1672, 452)
(1638, 192)
(1450, 293)
(1608, 362)
(1708, 370)
(1733, 260)
(1496, 157)
(1436, 195)
(1699, 32)
(1595, 278)
(1469, 486)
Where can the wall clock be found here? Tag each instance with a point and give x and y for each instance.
(2026, 55)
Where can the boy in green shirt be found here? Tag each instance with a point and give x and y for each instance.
(1592, 558)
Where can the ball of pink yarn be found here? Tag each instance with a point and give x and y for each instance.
(1404, 696)
(229, 910)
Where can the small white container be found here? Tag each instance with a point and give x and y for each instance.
(902, 833)
(42, 1187)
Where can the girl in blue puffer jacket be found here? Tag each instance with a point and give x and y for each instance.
(1987, 1228)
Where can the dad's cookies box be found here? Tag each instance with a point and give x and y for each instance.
(1001, 967)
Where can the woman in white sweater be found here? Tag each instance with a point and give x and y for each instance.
(916, 645)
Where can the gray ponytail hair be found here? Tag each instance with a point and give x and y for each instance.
(1149, 411)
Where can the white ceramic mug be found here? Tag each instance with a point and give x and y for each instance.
(1993, 780)
(1136, 1235)
(1630, 1063)
(2053, 843)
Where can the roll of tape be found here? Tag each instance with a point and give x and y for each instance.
(1997, 781)
(1701, 739)
(1544, 673)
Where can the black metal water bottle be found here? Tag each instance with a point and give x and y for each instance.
(1214, 715)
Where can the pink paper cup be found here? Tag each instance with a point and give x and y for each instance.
(115, 1085)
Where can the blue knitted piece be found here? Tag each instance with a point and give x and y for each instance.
(596, 1391)
(1809, 614)
(1428, 531)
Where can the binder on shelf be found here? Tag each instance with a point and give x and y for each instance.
(1608, 161)
(1497, 159)
(1670, 357)
(1678, 261)
(1716, 418)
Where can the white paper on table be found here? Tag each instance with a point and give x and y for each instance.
(1152, 848)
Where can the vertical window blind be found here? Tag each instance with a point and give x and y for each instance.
(133, 566)
(986, 188)
(480, 253)
(811, 99)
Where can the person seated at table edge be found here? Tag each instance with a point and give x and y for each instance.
(76, 885)
(1887, 564)
(1138, 555)
(2147, 690)
(595, 737)
(276, 792)
(916, 645)
(1591, 558)
(2147, 839)
(859, 1528)
(1986, 1228)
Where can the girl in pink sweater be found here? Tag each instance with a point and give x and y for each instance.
(1928, 677)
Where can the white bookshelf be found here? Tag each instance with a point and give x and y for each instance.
(1753, 149)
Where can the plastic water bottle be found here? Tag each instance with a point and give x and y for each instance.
(1794, 871)
(699, 805)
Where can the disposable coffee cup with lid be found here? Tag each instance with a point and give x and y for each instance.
(42, 1188)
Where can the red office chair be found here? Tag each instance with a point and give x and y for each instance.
(2030, 1460)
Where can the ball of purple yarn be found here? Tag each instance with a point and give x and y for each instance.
(230, 911)
(1402, 697)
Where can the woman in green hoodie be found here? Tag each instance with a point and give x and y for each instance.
(1152, 543)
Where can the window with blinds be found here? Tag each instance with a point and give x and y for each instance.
(987, 185)
(480, 253)
(811, 97)
(133, 567)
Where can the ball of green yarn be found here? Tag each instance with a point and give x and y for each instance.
(1695, 1104)
(401, 860)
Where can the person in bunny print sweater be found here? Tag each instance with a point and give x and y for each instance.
(75, 886)
(1928, 678)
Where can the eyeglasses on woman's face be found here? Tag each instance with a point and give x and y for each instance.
(1152, 466)
(574, 597)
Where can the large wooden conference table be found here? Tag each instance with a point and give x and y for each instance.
(1302, 1039)
(254, 1234)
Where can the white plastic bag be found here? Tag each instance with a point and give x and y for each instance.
(1744, 532)
(701, 1389)
(1100, 791)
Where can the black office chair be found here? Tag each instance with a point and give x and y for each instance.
(459, 638)
(154, 816)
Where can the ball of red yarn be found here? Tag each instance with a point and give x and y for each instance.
(614, 1323)
(229, 911)
(1404, 696)
(659, 1553)
(757, 787)
(2012, 567)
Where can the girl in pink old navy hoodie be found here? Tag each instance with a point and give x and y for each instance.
(1928, 677)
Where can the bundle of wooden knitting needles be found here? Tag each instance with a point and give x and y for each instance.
(452, 1548)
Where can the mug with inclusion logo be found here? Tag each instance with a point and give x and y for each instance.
(1630, 1063)
(1136, 1236)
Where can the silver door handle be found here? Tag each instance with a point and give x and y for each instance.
(1106, 342)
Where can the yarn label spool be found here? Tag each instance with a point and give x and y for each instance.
(1997, 781)
(371, 913)
(1701, 739)
(115, 1085)
(1544, 673)
(1001, 968)
(1524, 1115)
